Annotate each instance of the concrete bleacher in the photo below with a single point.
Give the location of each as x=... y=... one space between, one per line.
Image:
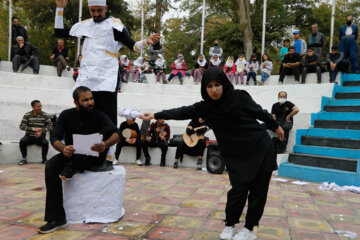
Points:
x=17 y=90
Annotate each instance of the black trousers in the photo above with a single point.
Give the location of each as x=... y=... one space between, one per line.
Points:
x=255 y=192
x=311 y=69
x=290 y=71
x=286 y=126
x=17 y=60
x=29 y=140
x=54 y=209
x=122 y=143
x=197 y=150
x=107 y=103
x=161 y=144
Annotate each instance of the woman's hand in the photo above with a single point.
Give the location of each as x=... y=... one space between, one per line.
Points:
x=147 y=116
x=280 y=132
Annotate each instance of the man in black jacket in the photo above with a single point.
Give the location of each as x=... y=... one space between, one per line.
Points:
x=18 y=30
x=291 y=65
x=26 y=53
x=312 y=63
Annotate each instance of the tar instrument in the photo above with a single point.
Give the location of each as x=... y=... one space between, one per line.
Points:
x=193 y=139
x=128 y=133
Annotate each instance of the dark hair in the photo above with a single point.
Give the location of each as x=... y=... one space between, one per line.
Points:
x=252 y=56
x=334 y=48
x=314 y=24
x=291 y=47
x=311 y=48
x=287 y=40
x=79 y=90
x=282 y=92
x=269 y=58
x=34 y=102
x=14 y=17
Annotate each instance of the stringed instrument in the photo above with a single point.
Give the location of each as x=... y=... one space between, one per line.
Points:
x=128 y=133
x=193 y=139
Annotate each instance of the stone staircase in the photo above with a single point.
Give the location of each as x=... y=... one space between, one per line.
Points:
x=329 y=151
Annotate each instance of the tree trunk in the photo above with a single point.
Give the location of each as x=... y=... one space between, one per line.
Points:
x=159 y=5
x=245 y=27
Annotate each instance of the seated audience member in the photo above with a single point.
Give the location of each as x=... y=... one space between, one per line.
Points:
x=77 y=67
x=59 y=57
x=216 y=50
x=26 y=53
x=200 y=67
x=283 y=112
x=83 y=119
x=265 y=68
x=125 y=68
x=251 y=68
x=18 y=30
x=240 y=69
x=334 y=61
x=140 y=67
x=157 y=136
x=129 y=136
x=36 y=124
x=215 y=61
x=291 y=65
x=198 y=127
x=229 y=68
x=179 y=68
x=283 y=52
x=312 y=63
x=160 y=68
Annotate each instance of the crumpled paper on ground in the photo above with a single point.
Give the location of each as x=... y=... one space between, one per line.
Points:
x=325 y=186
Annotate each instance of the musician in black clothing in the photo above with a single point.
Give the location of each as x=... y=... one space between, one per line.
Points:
x=195 y=126
x=157 y=135
x=132 y=140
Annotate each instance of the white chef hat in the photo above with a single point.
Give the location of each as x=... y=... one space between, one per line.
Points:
x=101 y=3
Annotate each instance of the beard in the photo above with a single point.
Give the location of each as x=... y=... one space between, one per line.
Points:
x=86 y=110
x=98 y=19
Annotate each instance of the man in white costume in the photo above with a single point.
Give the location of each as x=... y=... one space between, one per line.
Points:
x=102 y=39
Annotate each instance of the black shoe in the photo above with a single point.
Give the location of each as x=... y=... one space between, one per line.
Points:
x=247 y=82
x=147 y=161
x=43 y=161
x=319 y=82
x=104 y=167
x=176 y=165
x=68 y=68
x=162 y=163
x=199 y=165
x=68 y=172
x=22 y=162
x=52 y=226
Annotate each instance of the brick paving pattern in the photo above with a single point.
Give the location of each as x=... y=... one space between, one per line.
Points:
x=167 y=203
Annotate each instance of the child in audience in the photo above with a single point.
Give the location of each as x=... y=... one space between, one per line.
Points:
x=159 y=68
x=251 y=68
x=179 y=68
x=125 y=63
x=265 y=68
x=215 y=61
x=200 y=67
x=140 y=67
x=229 y=68
x=240 y=66
x=77 y=67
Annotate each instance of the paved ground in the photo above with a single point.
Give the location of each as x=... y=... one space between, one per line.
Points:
x=164 y=203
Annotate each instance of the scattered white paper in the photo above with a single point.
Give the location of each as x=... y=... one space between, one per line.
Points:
x=280 y=180
x=300 y=183
x=346 y=234
x=83 y=143
x=1 y=171
x=325 y=186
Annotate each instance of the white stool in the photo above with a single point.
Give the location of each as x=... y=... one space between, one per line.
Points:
x=95 y=197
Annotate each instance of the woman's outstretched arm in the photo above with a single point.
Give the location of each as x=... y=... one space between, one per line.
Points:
x=181 y=113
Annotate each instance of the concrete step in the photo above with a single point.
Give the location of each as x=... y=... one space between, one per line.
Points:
x=351 y=83
x=330 y=142
x=328 y=151
x=327 y=133
x=348 y=95
x=329 y=108
x=344 y=164
x=335 y=124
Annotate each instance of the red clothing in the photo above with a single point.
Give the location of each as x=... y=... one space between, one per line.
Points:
x=228 y=69
x=128 y=66
x=182 y=70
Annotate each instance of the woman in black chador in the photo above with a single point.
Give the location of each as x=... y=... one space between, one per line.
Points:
x=244 y=144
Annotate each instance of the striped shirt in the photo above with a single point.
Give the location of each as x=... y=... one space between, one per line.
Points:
x=31 y=121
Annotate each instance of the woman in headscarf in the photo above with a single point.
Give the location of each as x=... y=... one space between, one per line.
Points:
x=215 y=61
x=240 y=69
x=245 y=146
x=125 y=64
x=200 y=67
x=140 y=66
x=179 y=67
x=229 y=68
x=159 y=68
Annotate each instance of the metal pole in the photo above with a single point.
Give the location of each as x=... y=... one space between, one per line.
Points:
x=264 y=29
x=142 y=22
x=10 y=29
x=202 y=28
x=332 y=23
x=80 y=19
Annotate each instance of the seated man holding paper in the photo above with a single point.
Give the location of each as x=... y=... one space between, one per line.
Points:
x=88 y=134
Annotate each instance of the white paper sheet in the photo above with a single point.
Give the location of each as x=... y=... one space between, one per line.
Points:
x=83 y=143
x=300 y=183
x=280 y=180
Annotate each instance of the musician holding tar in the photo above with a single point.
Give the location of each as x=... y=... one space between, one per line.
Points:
x=129 y=136
x=195 y=130
x=157 y=135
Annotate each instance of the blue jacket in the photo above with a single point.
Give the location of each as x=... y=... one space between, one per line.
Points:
x=343 y=29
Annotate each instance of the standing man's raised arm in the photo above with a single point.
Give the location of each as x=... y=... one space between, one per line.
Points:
x=59 y=19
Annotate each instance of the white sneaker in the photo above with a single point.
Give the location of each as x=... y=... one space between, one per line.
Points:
x=138 y=162
x=227 y=233
x=245 y=234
